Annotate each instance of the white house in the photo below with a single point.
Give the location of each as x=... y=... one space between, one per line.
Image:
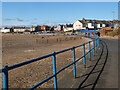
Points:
x=99 y=25
x=55 y=28
x=68 y=27
x=3 y=30
x=59 y=28
x=103 y=25
x=32 y=28
x=90 y=24
x=78 y=25
x=19 y=29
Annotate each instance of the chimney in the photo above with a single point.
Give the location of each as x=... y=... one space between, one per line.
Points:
x=84 y=20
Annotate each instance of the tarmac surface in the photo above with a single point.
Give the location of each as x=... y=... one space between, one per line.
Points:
x=109 y=77
x=101 y=72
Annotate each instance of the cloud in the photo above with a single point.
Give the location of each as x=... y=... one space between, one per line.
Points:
x=20 y=20
x=8 y=19
x=17 y=24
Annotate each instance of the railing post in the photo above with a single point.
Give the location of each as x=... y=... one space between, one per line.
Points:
x=89 y=52
x=98 y=41
x=5 y=78
x=74 y=65
x=84 y=62
x=54 y=71
x=94 y=47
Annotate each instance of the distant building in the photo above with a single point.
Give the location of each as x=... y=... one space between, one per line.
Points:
x=79 y=24
x=27 y=32
x=38 y=28
x=91 y=24
x=99 y=24
x=60 y=27
x=45 y=28
x=19 y=29
x=32 y=28
x=116 y=24
x=5 y=30
x=68 y=27
x=55 y=28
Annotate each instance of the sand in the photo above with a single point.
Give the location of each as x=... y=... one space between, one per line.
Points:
x=19 y=48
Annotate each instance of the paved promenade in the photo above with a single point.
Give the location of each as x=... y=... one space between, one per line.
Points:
x=109 y=77
x=100 y=72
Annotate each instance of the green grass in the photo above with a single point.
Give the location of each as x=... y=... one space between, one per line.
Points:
x=113 y=33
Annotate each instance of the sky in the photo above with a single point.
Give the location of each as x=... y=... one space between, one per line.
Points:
x=54 y=13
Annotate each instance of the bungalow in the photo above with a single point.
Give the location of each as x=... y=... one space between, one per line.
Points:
x=5 y=30
x=68 y=27
x=60 y=27
x=19 y=29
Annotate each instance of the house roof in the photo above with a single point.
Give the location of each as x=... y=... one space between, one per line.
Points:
x=45 y=25
x=18 y=27
x=7 y=28
x=69 y=25
x=84 y=23
x=33 y=26
x=97 y=21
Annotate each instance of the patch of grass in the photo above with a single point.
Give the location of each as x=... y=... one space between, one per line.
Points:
x=113 y=33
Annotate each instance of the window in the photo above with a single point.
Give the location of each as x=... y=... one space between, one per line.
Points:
x=76 y=25
x=100 y=25
x=79 y=25
x=92 y=24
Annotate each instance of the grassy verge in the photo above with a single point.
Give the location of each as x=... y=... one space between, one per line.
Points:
x=113 y=33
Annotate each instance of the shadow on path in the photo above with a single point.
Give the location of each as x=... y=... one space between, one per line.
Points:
x=94 y=66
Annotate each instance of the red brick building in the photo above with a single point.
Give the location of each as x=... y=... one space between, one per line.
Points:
x=45 y=28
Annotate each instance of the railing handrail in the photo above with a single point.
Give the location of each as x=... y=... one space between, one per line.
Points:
x=7 y=68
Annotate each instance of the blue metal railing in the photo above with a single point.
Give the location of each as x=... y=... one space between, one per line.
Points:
x=6 y=68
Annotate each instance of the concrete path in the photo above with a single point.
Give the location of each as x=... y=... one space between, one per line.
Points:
x=109 y=77
x=100 y=72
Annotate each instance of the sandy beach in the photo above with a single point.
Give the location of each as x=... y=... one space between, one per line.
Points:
x=19 y=48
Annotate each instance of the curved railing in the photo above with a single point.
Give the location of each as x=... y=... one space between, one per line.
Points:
x=95 y=41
